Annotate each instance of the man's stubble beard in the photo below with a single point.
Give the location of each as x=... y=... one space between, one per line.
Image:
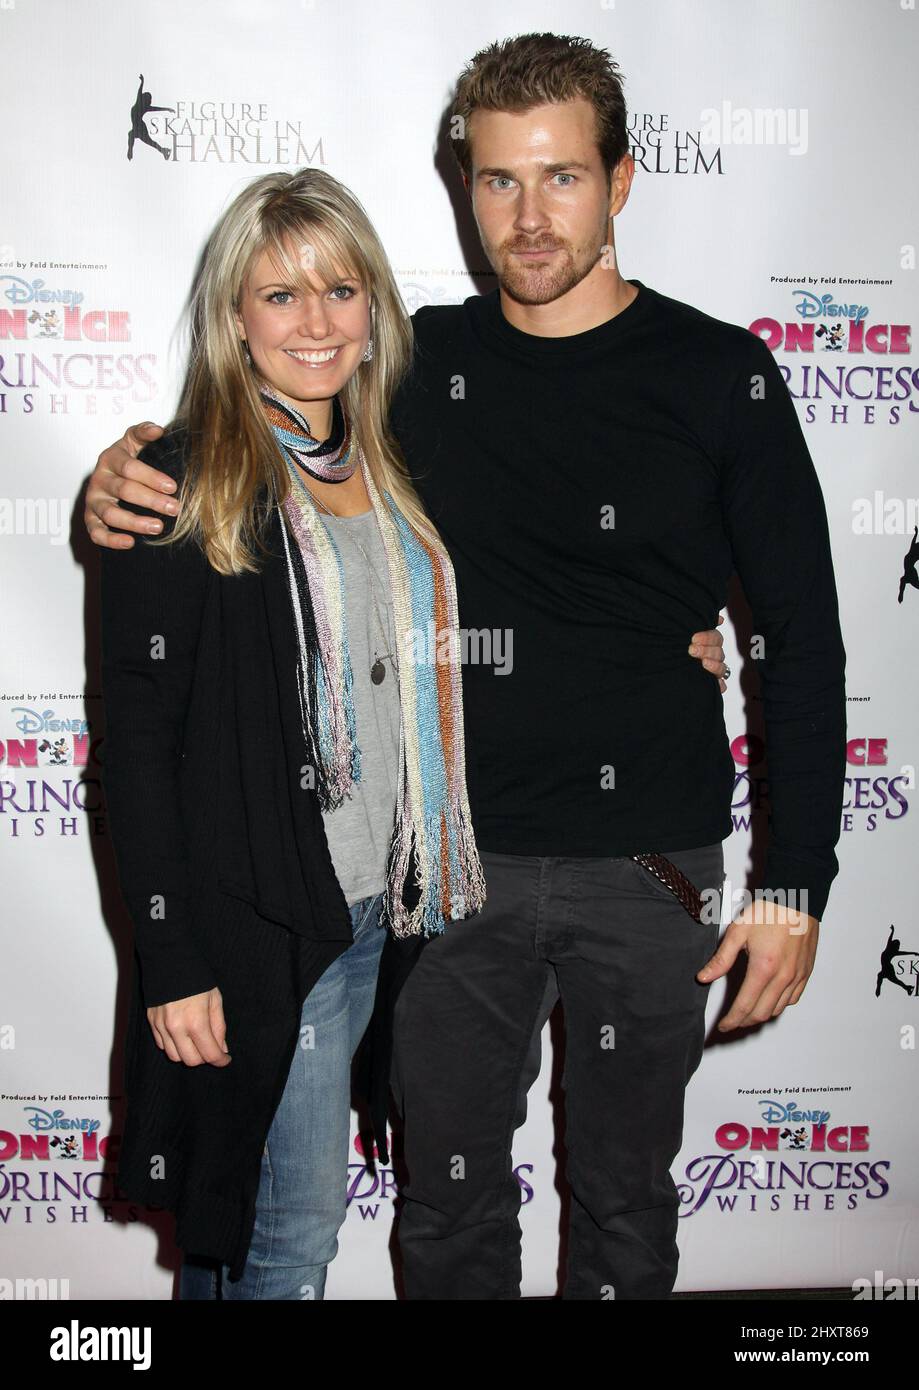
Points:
x=541 y=285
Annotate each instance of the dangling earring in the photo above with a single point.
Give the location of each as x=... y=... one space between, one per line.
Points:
x=368 y=351
x=246 y=352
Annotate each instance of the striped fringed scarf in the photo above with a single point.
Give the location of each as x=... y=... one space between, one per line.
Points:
x=432 y=838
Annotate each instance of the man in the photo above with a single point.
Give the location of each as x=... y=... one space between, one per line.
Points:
x=598 y=459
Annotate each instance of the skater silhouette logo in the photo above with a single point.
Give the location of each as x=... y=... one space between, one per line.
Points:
x=898 y=967
x=909 y=575
x=142 y=108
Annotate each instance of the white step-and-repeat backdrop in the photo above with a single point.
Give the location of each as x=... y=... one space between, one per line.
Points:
x=776 y=187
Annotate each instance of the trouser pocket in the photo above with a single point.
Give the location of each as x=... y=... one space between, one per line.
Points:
x=703 y=867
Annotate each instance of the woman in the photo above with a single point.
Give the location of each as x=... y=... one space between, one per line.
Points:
x=283 y=777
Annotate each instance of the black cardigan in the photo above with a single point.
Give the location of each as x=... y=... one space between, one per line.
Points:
x=224 y=865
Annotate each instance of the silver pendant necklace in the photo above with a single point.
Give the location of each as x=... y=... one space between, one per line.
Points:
x=377 y=669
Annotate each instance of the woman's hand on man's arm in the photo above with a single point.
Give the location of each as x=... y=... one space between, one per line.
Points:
x=708 y=647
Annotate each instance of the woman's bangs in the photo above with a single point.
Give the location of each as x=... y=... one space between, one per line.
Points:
x=304 y=251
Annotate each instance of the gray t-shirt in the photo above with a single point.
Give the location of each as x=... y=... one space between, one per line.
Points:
x=360 y=830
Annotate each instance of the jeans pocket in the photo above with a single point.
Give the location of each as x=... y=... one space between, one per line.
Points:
x=704 y=867
x=366 y=914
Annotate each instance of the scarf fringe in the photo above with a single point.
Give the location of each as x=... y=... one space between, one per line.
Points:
x=465 y=888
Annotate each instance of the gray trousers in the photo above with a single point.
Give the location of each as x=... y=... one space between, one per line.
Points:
x=613 y=943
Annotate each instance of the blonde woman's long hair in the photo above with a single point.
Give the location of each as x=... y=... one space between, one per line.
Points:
x=235 y=473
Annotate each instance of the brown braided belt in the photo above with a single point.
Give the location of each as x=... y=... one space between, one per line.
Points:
x=677 y=882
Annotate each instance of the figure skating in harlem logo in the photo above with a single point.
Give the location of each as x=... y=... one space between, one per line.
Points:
x=898 y=967
x=909 y=575
x=143 y=106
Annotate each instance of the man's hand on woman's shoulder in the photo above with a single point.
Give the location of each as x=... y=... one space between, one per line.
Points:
x=119 y=476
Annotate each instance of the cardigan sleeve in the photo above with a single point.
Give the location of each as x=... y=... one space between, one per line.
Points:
x=776 y=522
x=151 y=603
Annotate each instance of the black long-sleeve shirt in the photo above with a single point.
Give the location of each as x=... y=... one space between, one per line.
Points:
x=595 y=493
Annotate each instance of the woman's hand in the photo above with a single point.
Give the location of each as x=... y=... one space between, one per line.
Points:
x=119 y=477
x=708 y=647
x=192 y=1030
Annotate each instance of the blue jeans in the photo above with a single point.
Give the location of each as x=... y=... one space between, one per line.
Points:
x=301 y=1202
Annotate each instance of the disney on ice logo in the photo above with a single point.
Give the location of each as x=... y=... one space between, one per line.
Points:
x=48 y=741
x=54 y=1134
x=834 y=388
x=57 y=356
x=757 y=1183
x=822 y=321
x=50 y=1182
x=42 y=311
x=65 y=799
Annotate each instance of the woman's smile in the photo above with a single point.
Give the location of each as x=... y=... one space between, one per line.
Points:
x=319 y=357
